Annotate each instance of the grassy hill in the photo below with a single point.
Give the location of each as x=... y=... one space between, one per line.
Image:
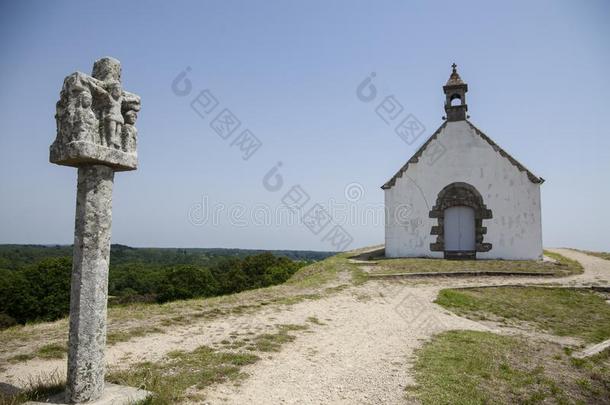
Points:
x=181 y=350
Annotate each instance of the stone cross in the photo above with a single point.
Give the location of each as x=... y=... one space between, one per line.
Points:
x=95 y=133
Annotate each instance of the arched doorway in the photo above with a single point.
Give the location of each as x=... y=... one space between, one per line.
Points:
x=460 y=212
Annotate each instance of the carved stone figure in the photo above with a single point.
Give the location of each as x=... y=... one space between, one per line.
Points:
x=130 y=133
x=85 y=122
x=110 y=97
x=92 y=113
x=75 y=118
x=130 y=108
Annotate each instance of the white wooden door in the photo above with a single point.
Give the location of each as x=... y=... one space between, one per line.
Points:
x=459 y=228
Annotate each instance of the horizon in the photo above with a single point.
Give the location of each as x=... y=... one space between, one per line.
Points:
x=290 y=73
x=50 y=245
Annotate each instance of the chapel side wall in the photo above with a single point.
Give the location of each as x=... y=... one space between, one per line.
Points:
x=515 y=228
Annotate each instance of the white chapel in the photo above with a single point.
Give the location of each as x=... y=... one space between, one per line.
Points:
x=462 y=196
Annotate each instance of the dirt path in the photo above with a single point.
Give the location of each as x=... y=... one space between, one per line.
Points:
x=360 y=353
x=363 y=354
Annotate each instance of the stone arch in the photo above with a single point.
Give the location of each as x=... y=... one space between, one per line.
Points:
x=464 y=194
x=454 y=97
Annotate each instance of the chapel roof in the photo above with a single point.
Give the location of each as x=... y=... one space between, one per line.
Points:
x=417 y=155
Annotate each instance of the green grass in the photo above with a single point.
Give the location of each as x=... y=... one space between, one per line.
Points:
x=468 y=367
x=171 y=378
x=561 y=311
x=117 y=336
x=57 y=350
x=272 y=342
x=315 y=320
x=326 y=271
x=563 y=267
x=48 y=351
x=182 y=375
x=52 y=351
x=18 y=358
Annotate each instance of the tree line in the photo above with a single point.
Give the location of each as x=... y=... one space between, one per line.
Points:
x=17 y=256
x=41 y=291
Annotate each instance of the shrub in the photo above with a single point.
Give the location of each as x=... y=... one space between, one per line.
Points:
x=187 y=281
x=6 y=321
x=49 y=285
x=41 y=291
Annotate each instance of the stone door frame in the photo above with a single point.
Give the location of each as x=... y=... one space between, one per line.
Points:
x=464 y=194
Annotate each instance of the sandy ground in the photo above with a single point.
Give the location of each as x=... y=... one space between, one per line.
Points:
x=364 y=354
x=361 y=353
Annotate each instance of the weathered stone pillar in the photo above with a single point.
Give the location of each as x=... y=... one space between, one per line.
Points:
x=89 y=291
x=96 y=133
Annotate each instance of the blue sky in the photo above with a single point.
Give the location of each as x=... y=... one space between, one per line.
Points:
x=538 y=85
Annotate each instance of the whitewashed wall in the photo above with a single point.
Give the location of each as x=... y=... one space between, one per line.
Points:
x=515 y=230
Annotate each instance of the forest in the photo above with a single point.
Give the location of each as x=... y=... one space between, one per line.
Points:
x=35 y=279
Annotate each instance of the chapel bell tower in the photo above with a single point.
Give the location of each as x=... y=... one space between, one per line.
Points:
x=455 y=97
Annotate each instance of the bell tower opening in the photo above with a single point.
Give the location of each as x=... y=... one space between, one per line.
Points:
x=456 y=100
x=455 y=96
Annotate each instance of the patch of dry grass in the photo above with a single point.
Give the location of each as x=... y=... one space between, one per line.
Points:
x=36 y=390
x=52 y=351
x=315 y=320
x=171 y=379
x=572 y=312
x=601 y=255
x=181 y=376
x=272 y=342
x=468 y=367
x=116 y=336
